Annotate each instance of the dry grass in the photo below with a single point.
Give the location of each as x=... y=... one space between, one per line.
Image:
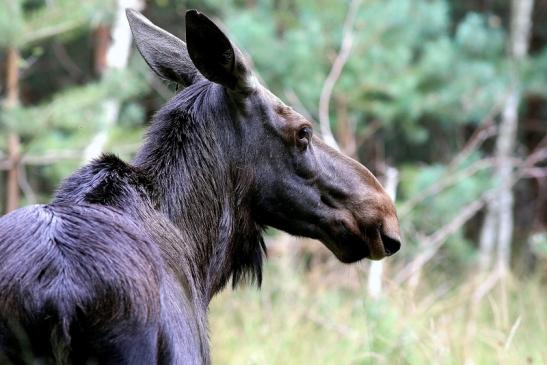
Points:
x=298 y=320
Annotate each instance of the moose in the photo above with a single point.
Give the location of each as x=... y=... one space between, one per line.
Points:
x=120 y=267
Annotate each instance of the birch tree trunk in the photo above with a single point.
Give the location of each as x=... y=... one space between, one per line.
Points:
x=497 y=230
x=377 y=267
x=12 y=99
x=117 y=57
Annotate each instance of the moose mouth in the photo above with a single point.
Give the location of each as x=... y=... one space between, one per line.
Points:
x=374 y=245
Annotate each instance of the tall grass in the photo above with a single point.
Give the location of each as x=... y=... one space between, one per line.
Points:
x=297 y=320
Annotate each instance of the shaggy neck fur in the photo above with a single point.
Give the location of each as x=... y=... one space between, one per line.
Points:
x=189 y=158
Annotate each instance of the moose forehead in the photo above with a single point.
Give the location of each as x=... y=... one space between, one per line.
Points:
x=291 y=120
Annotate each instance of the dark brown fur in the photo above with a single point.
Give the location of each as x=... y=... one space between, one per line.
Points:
x=120 y=267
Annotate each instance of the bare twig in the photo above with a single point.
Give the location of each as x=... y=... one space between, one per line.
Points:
x=25 y=186
x=334 y=74
x=445 y=183
x=35 y=36
x=475 y=141
x=486 y=130
x=486 y=286
x=449 y=180
x=46 y=159
x=49 y=158
x=539 y=154
x=66 y=62
x=536 y=172
x=473 y=144
x=437 y=239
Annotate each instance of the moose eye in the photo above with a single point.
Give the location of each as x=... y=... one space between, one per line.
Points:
x=304 y=135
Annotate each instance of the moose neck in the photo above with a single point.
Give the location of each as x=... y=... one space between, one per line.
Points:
x=187 y=155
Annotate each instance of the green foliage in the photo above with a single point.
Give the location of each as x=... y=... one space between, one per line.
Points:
x=71 y=114
x=285 y=63
x=48 y=19
x=416 y=68
x=538 y=243
x=424 y=70
x=534 y=75
x=11 y=23
x=52 y=20
x=427 y=71
x=439 y=206
x=406 y=67
x=475 y=38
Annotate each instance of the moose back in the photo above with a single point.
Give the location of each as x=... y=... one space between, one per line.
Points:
x=120 y=267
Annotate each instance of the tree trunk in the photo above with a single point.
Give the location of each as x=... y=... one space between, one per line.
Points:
x=12 y=99
x=497 y=229
x=377 y=267
x=12 y=186
x=117 y=57
x=101 y=37
x=345 y=129
x=488 y=236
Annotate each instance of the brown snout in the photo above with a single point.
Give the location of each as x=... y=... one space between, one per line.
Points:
x=379 y=226
x=391 y=244
x=386 y=241
x=364 y=223
x=366 y=239
x=382 y=244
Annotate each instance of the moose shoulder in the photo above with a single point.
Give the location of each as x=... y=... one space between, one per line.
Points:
x=120 y=267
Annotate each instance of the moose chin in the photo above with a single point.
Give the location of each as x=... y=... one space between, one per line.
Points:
x=120 y=267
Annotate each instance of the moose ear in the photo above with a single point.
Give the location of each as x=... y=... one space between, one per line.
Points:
x=166 y=54
x=214 y=55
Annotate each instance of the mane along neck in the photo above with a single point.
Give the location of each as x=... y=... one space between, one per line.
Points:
x=188 y=156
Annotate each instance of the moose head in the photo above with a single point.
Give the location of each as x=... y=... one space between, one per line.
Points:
x=121 y=265
x=295 y=182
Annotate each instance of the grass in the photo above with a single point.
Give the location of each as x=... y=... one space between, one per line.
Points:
x=296 y=319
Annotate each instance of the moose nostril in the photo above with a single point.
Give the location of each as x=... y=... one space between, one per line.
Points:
x=391 y=245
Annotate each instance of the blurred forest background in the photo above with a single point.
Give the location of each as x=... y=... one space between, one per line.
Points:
x=444 y=100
